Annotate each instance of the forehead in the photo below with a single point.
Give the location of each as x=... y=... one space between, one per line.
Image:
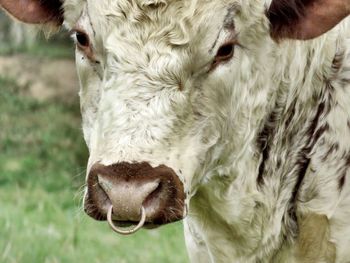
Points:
x=105 y=15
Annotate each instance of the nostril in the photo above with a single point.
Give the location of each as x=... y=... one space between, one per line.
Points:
x=152 y=201
x=94 y=208
x=106 y=185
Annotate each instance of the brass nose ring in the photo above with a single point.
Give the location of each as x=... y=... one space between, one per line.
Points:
x=126 y=231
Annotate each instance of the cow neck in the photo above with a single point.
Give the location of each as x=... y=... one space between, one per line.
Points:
x=266 y=206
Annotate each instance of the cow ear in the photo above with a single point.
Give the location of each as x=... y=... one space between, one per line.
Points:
x=35 y=11
x=305 y=19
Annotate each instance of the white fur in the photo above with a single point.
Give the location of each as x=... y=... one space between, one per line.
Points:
x=152 y=98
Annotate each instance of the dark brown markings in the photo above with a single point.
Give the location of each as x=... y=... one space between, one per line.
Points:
x=344 y=77
x=275 y=119
x=343 y=171
x=314 y=132
x=347 y=160
x=156 y=5
x=338 y=60
x=342 y=181
x=303 y=160
x=267 y=133
x=338 y=69
x=265 y=140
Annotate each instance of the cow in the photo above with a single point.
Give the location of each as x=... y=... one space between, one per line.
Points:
x=233 y=115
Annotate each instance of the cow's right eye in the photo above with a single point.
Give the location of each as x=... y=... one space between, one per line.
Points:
x=84 y=44
x=82 y=39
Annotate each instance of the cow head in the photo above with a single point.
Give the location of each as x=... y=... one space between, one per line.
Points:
x=171 y=90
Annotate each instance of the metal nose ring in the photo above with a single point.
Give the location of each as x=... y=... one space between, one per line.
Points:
x=126 y=231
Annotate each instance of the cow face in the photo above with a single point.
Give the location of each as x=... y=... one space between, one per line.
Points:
x=155 y=85
x=171 y=91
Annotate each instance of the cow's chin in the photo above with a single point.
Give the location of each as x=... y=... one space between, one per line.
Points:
x=128 y=224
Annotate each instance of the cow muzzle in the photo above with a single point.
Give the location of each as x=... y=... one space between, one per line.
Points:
x=134 y=194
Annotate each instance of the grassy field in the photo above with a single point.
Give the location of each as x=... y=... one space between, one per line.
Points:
x=42 y=168
x=58 y=47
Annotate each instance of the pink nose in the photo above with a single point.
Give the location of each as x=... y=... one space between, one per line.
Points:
x=128 y=187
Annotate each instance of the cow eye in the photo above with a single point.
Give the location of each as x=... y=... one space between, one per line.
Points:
x=82 y=39
x=225 y=52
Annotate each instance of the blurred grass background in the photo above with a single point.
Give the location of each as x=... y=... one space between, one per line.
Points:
x=42 y=165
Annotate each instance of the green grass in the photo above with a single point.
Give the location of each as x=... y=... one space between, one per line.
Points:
x=55 y=47
x=41 y=49
x=42 y=161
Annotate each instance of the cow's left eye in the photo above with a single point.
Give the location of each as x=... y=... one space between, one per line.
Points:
x=224 y=53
